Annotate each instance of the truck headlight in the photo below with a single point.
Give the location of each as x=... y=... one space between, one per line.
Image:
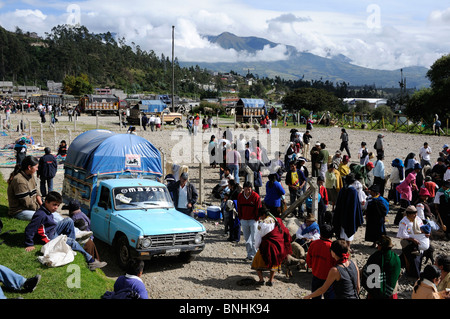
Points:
x=198 y=238
x=146 y=242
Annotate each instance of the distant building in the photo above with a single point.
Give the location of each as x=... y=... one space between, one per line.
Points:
x=55 y=87
x=372 y=102
x=6 y=87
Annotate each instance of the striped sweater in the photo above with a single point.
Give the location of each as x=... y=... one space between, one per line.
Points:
x=22 y=192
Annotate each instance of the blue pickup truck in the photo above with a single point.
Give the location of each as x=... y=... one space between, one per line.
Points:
x=116 y=177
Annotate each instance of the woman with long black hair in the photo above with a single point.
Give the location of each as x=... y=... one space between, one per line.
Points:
x=344 y=276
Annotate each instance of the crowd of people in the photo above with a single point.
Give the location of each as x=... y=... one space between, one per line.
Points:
x=350 y=194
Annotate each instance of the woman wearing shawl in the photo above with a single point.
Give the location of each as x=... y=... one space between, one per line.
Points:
x=344 y=276
x=273 y=241
x=405 y=189
x=333 y=183
x=348 y=214
x=388 y=264
x=397 y=176
x=376 y=211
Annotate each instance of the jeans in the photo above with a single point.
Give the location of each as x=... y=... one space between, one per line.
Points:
x=249 y=230
x=46 y=186
x=28 y=215
x=234 y=169
x=10 y=280
x=66 y=227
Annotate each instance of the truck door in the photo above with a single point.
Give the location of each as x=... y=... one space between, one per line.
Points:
x=101 y=215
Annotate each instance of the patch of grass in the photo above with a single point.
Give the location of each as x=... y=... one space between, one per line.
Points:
x=72 y=281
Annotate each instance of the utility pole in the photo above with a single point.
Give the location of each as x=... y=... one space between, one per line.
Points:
x=173 y=69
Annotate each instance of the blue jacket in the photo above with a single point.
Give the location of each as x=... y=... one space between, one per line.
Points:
x=41 y=228
x=132 y=282
x=273 y=194
x=47 y=167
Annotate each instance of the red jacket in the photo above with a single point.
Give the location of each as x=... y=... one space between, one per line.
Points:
x=319 y=258
x=323 y=192
x=248 y=207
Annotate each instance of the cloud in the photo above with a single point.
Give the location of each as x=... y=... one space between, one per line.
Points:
x=30 y=14
x=440 y=17
x=399 y=39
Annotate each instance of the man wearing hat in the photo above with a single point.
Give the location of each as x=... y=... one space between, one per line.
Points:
x=307 y=232
x=386 y=262
x=376 y=212
x=184 y=195
x=409 y=228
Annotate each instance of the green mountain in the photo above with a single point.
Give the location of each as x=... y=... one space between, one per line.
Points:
x=303 y=65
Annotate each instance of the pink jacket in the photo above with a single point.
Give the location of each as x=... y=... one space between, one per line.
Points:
x=405 y=188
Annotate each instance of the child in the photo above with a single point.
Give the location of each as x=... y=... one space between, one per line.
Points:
x=62 y=150
x=363 y=154
x=132 y=279
x=234 y=224
x=43 y=228
x=21 y=151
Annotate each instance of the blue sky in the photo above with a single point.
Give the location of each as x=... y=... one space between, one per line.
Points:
x=378 y=33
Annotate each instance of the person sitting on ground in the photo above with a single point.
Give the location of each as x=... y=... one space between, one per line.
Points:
x=408 y=228
x=426 y=286
x=24 y=197
x=62 y=149
x=443 y=263
x=15 y=282
x=307 y=232
x=132 y=279
x=82 y=225
x=43 y=228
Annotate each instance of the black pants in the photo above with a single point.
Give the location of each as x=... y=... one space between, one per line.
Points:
x=403 y=205
x=380 y=182
x=344 y=145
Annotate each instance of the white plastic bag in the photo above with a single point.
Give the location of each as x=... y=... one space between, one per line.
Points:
x=56 y=252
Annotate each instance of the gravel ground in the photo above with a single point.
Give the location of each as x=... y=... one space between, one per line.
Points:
x=220 y=271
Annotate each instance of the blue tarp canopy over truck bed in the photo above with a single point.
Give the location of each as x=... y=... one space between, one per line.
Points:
x=254 y=103
x=105 y=152
x=152 y=106
x=98 y=153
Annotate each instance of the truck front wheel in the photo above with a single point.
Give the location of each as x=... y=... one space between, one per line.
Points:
x=123 y=251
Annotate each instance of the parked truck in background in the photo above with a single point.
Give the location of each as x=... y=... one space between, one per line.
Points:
x=102 y=104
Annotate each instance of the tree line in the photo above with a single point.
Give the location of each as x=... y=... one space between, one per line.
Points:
x=82 y=59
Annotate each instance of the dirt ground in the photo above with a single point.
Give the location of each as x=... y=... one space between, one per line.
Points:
x=220 y=271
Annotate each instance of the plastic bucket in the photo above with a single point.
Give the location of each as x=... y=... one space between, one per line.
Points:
x=213 y=212
x=201 y=213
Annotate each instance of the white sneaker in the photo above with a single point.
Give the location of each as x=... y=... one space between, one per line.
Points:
x=83 y=235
